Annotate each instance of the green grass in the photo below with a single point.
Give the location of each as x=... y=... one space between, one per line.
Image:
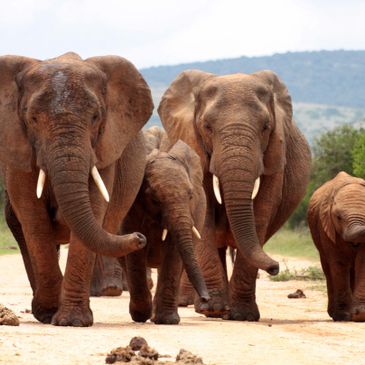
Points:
x=311 y=273
x=293 y=243
x=7 y=241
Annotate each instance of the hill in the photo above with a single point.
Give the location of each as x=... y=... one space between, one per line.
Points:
x=323 y=77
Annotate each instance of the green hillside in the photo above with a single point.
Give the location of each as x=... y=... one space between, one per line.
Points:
x=323 y=77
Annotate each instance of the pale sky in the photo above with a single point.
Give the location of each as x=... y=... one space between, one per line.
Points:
x=160 y=32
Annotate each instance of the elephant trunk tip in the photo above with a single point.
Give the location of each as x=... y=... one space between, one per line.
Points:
x=273 y=269
x=205 y=297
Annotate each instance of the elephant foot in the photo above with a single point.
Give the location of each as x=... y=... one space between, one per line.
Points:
x=166 y=318
x=358 y=313
x=340 y=315
x=140 y=312
x=112 y=291
x=243 y=312
x=216 y=307
x=42 y=313
x=73 y=316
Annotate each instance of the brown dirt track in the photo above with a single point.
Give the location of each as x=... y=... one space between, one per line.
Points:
x=291 y=331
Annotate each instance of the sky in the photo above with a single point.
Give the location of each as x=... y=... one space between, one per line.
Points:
x=161 y=32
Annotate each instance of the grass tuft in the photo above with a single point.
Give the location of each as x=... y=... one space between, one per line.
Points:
x=7 y=241
x=312 y=273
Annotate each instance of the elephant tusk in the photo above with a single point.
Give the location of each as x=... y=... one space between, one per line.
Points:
x=256 y=188
x=216 y=189
x=164 y=234
x=40 y=183
x=99 y=183
x=196 y=233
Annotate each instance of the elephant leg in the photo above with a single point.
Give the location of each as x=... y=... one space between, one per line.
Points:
x=213 y=272
x=107 y=278
x=140 y=305
x=74 y=308
x=165 y=302
x=358 y=301
x=243 y=305
x=330 y=291
x=186 y=291
x=340 y=297
x=16 y=229
x=39 y=244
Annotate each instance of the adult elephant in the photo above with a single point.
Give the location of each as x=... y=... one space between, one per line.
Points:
x=69 y=128
x=256 y=159
x=337 y=223
x=169 y=210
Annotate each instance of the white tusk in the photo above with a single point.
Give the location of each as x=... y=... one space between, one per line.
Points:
x=40 y=183
x=196 y=233
x=164 y=234
x=99 y=183
x=256 y=188
x=216 y=189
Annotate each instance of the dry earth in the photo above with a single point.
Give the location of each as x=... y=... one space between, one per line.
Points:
x=291 y=331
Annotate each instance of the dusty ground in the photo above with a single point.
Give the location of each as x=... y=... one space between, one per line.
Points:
x=291 y=331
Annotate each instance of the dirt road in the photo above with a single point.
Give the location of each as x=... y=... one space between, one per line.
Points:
x=291 y=331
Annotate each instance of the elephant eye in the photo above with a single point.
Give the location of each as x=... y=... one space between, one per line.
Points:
x=338 y=216
x=266 y=126
x=207 y=127
x=95 y=117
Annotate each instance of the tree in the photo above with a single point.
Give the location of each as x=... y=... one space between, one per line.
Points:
x=333 y=151
x=358 y=156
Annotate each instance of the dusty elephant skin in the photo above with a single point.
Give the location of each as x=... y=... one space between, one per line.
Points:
x=169 y=210
x=242 y=128
x=69 y=129
x=336 y=217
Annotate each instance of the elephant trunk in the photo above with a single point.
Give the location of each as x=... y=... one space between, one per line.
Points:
x=237 y=176
x=69 y=171
x=355 y=233
x=184 y=240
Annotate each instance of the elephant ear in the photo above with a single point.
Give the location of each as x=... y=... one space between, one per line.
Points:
x=129 y=106
x=191 y=161
x=15 y=149
x=177 y=109
x=282 y=111
x=156 y=138
x=325 y=196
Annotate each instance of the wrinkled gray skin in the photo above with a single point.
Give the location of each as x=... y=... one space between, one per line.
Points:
x=171 y=197
x=242 y=128
x=336 y=218
x=65 y=116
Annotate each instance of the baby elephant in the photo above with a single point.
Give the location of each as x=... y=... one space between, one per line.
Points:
x=336 y=217
x=170 y=210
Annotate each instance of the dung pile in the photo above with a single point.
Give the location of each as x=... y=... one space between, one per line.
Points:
x=139 y=353
x=7 y=317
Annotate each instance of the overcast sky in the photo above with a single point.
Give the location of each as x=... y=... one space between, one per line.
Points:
x=156 y=32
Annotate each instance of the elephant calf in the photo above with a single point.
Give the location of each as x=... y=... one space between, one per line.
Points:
x=169 y=210
x=336 y=217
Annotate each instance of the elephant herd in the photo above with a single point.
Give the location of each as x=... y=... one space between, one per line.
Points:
x=228 y=170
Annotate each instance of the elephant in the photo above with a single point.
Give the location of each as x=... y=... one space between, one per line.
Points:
x=73 y=159
x=169 y=210
x=336 y=218
x=256 y=165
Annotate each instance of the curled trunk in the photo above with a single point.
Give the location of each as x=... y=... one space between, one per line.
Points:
x=69 y=171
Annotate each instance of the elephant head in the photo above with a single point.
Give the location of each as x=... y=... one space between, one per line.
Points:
x=236 y=123
x=173 y=192
x=341 y=208
x=69 y=117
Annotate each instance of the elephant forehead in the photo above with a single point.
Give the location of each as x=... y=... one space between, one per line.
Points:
x=351 y=194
